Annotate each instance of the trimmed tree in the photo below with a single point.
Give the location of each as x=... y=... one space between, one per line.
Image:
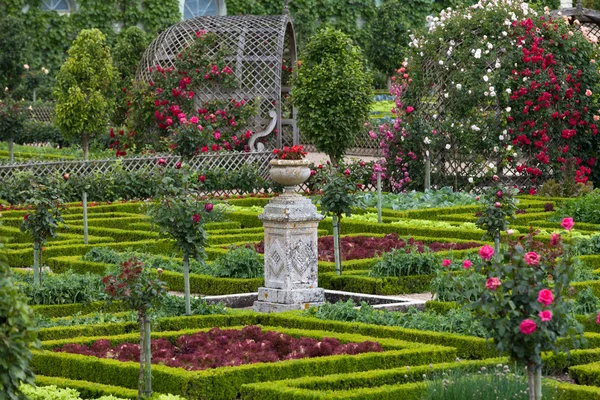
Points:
x=84 y=85
x=332 y=92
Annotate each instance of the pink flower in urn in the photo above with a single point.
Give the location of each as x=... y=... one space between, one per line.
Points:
x=532 y=258
x=545 y=315
x=545 y=297
x=567 y=223
x=208 y=207
x=493 y=283
x=446 y=262
x=467 y=264
x=486 y=252
x=527 y=327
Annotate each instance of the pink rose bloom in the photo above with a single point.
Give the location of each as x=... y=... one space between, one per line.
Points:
x=196 y=218
x=446 y=262
x=545 y=315
x=208 y=207
x=497 y=205
x=598 y=319
x=410 y=109
x=217 y=135
x=495 y=178
x=588 y=93
x=555 y=239
x=527 y=327
x=545 y=297
x=477 y=198
x=499 y=193
x=532 y=258
x=162 y=162
x=178 y=165
x=194 y=120
x=467 y=264
x=486 y=252
x=347 y=171
x=567 y=223
x=493 y=283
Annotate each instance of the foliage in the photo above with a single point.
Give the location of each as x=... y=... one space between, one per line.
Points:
x=443 y=197
x=13 y=41
x=52 y=392
x=18 y=334
x=525 y=311
x=498 y=206
x=84 y=86
x=360 y=174
x=586 y=302
x=238 y=262
x=12 y=118
x=337 y=196
x=332 y=92
x=405 y=261
x=498 y=383
x=457 y=288
x=389 y=32
x=585 y=208
x=40 y=132
x=127 y=52
x=66 y=288
x=47 y=204
x=567 y=186
x=217 y=348
x=454 y=321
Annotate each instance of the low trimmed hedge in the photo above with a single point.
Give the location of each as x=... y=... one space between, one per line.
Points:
x=88 y=390
x=209 y=285
x=379 y=286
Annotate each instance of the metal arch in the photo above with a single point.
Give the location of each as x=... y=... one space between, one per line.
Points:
x=259 y=46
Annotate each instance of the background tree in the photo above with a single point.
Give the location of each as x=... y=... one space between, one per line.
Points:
x=13 y=42
x=84 y=85
x=18 y=333
x=127 y=52
x=332 y=92
x=389 y=33
x=12 y=120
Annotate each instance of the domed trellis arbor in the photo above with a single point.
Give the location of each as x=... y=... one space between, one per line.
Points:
x=259 y=46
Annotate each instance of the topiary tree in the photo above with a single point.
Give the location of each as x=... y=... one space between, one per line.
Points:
x=18 y=333
x=127 y=52
x=14 y=51
x=84 y=87
x=332 y=92
x=389 y=32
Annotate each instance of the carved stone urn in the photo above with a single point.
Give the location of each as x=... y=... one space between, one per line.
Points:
x=290 y=173
x=291 y=253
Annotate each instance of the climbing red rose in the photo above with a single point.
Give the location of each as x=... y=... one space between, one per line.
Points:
x=527 y=327
x=545 y=297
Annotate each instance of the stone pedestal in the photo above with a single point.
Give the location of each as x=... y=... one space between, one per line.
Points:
x=291 y=255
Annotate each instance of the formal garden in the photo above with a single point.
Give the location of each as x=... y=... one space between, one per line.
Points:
x=277 y=204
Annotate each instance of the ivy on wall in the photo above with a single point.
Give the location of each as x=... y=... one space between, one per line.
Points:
x=51 y=34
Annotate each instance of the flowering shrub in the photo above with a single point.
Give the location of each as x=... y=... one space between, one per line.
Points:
x=290 y=153
x=522 y=299
x=517 y=89
x=219 y=348
x=498 y=206
x=190 y=125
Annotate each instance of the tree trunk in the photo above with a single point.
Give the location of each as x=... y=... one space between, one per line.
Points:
x=497 y=246
x=41 y=261
x=36 y=263
x=186 y=284
x=147 y=358
x=379 y=198
x=427 y=171
x=85 y=145
x=531 y=381
x=142 y=357
x=538 y=383
x=85 y=217
x=336 y=245
x=34 y=94
x=534 y=379
x=11 y=150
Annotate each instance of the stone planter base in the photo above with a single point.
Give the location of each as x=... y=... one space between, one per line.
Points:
x=275 y=300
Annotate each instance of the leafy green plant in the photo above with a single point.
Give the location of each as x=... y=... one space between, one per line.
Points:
x=586 y=302
x=585 y=208
x=42 y=223
x=14 y=52
x=452 y=286
x=12 y=121
x=83 y=88
x=454 y=321
x=66 y=288
x=140 y=291
x=404 y=262
x=332 y=92
x=238 y=262
x=498 y=206
x=18 y=335
x=430 y=198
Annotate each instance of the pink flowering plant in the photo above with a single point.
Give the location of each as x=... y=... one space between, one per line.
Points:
x=498 y=206
x=522 y=299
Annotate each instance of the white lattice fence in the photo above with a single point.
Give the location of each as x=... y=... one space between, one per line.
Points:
x=228 y=161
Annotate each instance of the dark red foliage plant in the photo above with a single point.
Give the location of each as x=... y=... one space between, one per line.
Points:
x=220 y=348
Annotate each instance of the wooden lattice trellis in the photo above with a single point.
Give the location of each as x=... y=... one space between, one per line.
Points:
x=41 y=114
x=259 y=45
